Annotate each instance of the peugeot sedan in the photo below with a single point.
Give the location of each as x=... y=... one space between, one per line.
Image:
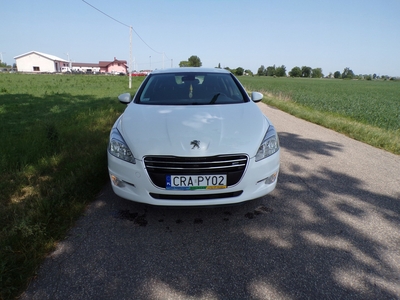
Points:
x=192 y=137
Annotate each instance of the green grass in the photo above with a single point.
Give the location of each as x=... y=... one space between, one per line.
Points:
x=54 y=134
x=368 y=111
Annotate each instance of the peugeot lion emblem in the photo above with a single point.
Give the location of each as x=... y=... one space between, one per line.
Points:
x=195 y=144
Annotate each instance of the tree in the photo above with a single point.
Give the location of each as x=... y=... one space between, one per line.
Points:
x=239 y=71
x=248 y=72
x=271 y=71
x=305 y=71
x=347 y=74
x=184 y=63
x=261 y=71
x=193 y=61
x=4 y=65
x=281 y=71
x=295 y=72
x=337 y=74
x=317 y=73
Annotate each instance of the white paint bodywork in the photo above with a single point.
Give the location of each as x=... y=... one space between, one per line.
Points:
x=169 y=130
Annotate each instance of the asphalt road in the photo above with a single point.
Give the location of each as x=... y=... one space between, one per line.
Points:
x=331 y=230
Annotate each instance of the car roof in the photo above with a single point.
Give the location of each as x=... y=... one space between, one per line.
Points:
x=190 y=70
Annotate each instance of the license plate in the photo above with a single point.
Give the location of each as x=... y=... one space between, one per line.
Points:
x=195 y=182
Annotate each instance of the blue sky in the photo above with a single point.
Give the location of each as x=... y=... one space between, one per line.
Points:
x=328 y=34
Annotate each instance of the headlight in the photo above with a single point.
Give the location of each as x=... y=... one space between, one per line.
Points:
x=119 y=148
x=269 y=145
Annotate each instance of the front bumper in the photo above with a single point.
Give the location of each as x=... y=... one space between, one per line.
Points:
x=131 y=181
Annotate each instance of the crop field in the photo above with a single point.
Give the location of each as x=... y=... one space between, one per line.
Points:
x=365 y=110
x=54 y=135
x=375 y=103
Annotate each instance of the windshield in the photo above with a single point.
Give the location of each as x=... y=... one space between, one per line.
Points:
x=190 y=89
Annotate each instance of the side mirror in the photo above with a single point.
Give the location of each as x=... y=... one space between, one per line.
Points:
x=256 y=96
x=125 y=98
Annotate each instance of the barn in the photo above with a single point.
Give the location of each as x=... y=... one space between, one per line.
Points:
x=38 y=62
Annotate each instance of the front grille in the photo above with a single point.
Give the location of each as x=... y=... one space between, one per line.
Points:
x=159 y=166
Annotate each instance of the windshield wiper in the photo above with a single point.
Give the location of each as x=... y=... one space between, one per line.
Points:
x=214 y=98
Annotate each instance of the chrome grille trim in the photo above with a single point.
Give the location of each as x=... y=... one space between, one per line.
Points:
x=197 y=168
x=234 y=165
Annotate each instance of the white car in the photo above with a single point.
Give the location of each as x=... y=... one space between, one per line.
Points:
x=192 y=137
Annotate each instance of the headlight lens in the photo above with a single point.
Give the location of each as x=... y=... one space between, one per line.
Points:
x=269 y=145
x=118 y=148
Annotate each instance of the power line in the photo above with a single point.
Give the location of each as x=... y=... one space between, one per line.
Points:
x=106 y=14
x=123 y=25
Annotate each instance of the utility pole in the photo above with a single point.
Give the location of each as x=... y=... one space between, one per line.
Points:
x=130 y=57
x=69 y=62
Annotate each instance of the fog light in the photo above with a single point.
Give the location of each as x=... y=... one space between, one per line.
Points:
x=116 y=181
x=269 y=179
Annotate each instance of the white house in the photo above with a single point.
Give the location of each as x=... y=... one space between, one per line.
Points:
x=38 y=62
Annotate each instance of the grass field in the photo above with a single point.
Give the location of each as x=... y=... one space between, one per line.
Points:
x=368 y=111
x=54 y=134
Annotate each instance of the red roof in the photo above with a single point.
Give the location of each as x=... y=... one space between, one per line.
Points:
x=104 y=64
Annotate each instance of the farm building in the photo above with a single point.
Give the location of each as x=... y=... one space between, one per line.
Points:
x=114 y=67
x=39 y=62
x=85 y=67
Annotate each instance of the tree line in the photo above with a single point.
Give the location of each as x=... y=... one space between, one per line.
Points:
x=307 y=72
x=304 y=71
x=280 y=71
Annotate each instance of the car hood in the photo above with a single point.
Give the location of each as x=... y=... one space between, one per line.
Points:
x=172 y=130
